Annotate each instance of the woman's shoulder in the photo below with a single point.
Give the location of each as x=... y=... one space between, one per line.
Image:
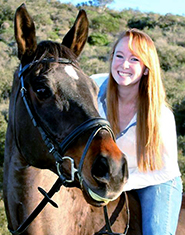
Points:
x=101 y=80
x=166 y=112
x=167 y=118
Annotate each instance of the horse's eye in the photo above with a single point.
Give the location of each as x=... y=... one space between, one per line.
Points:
x=43 y=93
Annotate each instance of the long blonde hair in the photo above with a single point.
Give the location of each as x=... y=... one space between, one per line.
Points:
x=151 y=97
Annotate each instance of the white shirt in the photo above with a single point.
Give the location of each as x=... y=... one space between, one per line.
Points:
x=126 y=142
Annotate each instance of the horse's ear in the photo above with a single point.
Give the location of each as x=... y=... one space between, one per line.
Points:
x=24 y=33
x=76 y=38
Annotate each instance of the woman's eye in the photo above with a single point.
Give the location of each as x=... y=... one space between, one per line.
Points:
x=119 y=56
x=135 y=59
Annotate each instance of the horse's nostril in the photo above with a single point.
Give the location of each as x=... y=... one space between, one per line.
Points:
x=100 y=170
x=125 y=169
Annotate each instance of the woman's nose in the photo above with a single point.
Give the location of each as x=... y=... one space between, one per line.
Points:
x=125 y=64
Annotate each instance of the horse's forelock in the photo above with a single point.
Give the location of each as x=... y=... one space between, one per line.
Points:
x=49 y=49
x=53 y=49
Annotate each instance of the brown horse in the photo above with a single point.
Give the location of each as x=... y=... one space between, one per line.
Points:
x=55 y=136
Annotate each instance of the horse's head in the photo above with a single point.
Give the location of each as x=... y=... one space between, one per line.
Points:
x=59 y=99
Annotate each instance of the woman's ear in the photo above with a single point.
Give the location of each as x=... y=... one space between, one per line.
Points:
x=146 y=71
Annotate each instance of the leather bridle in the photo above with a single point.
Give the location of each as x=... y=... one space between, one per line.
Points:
x=94 y=125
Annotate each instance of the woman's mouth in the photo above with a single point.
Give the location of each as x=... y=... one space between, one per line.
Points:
x=124 y=74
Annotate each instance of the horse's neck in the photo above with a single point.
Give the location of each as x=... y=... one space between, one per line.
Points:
x=73 y=209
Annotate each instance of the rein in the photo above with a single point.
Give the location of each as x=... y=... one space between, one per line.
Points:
x=94 y=124
x=109 y=222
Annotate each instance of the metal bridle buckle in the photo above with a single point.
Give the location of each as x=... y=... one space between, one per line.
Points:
x=73 y=169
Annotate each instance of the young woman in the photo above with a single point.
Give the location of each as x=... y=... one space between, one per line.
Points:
x=133 y=100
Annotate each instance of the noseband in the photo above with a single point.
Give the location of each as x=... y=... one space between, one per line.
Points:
x=94 y=125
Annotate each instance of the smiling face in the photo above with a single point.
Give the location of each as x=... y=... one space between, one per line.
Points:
x=127 y=68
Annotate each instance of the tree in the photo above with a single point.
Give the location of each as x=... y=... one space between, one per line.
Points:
x=100 y=3
x=96 y=3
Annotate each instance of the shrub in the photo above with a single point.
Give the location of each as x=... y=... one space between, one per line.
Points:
x=181 y=157
x=3 y=125
x=105 y=23
x=171 y=56
x=51 y=35
x=94 y=65
x=169 y=21
x=98 y=39
x=141 y=22
x=6 y=13
x=174 y=81
x=179 y=111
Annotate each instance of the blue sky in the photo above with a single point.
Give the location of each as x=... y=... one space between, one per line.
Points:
x=176 y=7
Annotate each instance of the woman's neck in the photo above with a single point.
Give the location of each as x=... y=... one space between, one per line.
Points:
x=128 y=94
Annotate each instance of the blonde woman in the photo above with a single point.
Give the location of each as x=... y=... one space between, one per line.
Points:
x=132 y=98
